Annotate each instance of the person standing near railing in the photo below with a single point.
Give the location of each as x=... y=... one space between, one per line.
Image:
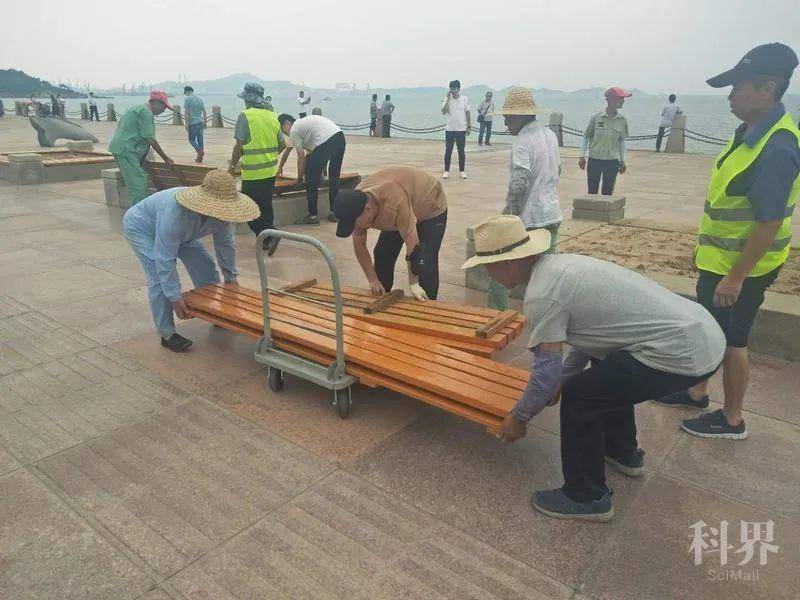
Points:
x=387 y=108
x=93 y=114
x=667 y=116
x=195 y=117
x=456 y=109
x=485 y=110
x=373 y=114
x=303 y=102
x=604 y=140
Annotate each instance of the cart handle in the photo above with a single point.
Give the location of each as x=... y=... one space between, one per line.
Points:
x=337 y=290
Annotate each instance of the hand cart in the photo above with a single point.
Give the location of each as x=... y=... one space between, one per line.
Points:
x=278 y=361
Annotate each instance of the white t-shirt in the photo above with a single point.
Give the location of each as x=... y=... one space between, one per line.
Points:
x=536 y=149
x=311 y=131
x=668 y=114
x=457 y=116
x=304 y=103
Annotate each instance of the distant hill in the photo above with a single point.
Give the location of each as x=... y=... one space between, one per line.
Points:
x=230 y=84
x=18 y=84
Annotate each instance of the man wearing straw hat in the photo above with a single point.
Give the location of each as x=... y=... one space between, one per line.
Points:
x=643 y=341
x=169 y=225
x=533 y=181
x=135 y=135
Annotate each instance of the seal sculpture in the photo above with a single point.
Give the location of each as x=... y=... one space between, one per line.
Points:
x=50 y=129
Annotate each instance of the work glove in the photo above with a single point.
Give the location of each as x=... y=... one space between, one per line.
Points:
x=418 y=292
x=416 y=260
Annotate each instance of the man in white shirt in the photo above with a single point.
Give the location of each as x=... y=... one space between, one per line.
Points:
x=533 y=178
x=303 y=102
x=319 y=142
x=667 y=116
x=456 y=109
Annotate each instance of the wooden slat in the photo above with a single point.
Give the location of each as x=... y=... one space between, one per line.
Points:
x=383 y=302
x=495 y=324
x=298 y=285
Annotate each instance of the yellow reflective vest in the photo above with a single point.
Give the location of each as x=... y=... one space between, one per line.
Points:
x=260 y=154
x=729 y=221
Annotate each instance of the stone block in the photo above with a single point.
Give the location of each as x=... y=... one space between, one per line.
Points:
x=80 y=146
x=25 y=168
x=600 y=203
x=114 y=186
x=597 y=215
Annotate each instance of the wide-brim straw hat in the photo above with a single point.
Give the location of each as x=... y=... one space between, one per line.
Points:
x=218 y=197
x=504 y=238
x=519 y=101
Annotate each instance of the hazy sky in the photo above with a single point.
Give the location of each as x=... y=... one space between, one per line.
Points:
x=658 y=46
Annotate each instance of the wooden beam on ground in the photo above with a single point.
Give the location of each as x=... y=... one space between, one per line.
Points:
x=298 y=285
x=496 y=324
x=384 y=302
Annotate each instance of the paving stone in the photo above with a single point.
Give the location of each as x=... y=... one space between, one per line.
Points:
x=10 y=307
x=344 y=538
x=50 y=552
x=7 y=462
x=173 y=487
x=597 y=215
x=600 y=203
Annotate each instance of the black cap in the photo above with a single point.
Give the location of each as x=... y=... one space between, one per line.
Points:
x=348 y=207
x=769 y=60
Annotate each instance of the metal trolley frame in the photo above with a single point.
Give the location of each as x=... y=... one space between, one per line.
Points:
x=279 y=362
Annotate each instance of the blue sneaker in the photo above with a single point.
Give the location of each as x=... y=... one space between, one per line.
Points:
x=631 y=464
x=714 y=425
x=556 y=504
x=682 y=398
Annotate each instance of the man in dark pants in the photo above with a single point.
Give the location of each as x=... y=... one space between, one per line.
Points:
x=643 y=339
x=604 y=139
x=456 y=109
x=373 y=114
x=259 y=141
x=409 y=207
x=93 y=114
x=746 y=231
x=387 y=108
x=667 y=116
x=319 y=143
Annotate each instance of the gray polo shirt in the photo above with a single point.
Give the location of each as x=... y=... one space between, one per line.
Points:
x=599 y=308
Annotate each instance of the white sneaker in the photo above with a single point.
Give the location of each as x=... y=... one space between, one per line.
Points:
x=463 y=175
x=446 y=175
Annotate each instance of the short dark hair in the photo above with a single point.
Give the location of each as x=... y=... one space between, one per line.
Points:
x=455 y=84
x=374 y=96
x=388 y=97
x=672 y=97
x=781 y=85
x=285 y=118
x=188 y=88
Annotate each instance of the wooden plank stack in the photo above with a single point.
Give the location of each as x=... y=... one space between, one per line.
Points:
x=414 y=364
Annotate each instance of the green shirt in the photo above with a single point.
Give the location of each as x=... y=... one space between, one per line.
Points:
x=606 y=136
x=134 y=131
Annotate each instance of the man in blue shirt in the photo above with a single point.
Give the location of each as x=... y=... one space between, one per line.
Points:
x=195 y=111
x=751 y=199
x=169 y=225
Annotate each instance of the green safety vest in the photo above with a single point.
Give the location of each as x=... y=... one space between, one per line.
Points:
x=260 y=154
x=729 y=220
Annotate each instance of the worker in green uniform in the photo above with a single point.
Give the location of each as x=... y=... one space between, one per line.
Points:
x=135 y=135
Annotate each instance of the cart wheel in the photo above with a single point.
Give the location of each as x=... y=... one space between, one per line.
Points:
x=342 y=399
x=275 y=379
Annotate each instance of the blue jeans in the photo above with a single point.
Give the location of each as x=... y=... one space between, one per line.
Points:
x=196 y=136
x=485 y=130
x=195 y=258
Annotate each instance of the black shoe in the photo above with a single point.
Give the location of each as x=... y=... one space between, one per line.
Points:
x=270 y=245
x=631 y=464
x=715 y=425
x=332 y=217
x=309 y=219
x=556 y=504
x=176 y=343
x=682 y=399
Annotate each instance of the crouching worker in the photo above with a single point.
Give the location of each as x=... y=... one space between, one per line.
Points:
x=641 y=339
x=409 y=207
x=169 y=225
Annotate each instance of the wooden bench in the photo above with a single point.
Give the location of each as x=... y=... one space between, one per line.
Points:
x=419 y=366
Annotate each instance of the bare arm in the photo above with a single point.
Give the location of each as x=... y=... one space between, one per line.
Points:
x=301 y=164
x=446 y=105
x=157 y=147
x=365 y=260
x=412 y=241
x=469 y=122
x=236 y=155
x=284 y=157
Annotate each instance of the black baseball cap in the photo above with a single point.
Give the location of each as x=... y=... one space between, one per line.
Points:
x=769 y=60
x=348 y=207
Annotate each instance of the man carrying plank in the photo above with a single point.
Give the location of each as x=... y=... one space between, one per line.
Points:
x=169 y=225
x=643 y=342
x=409 y=207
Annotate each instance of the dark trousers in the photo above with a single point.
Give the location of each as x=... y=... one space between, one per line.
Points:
x=660 y=137
x=302 y=114
x=605 y=169
x=93 y=113
x=459 y=138
x=387 y=125
x=331 y=154
x=486 y=129
x=430 y=232
x=260 y=191
x=372 y=122
x=597 y=417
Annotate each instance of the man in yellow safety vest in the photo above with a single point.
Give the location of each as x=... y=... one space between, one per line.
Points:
x=745 y=233
x=259 y=141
